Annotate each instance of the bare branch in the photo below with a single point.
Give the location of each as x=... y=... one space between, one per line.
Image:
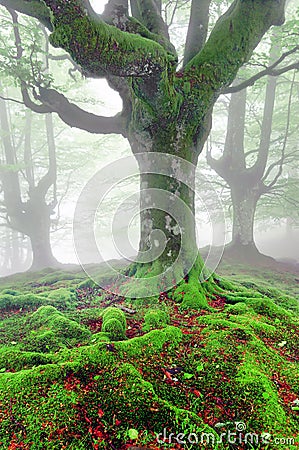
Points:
x=71 y=114
x=268 y=71
x=11 y=100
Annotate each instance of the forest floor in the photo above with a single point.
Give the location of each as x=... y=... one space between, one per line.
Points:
x=82 y=369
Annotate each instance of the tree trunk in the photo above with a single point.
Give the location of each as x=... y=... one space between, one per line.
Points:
x=167 y=215
x=39 y=234
x=168 y=252
x=244 y=207
x=242 y=247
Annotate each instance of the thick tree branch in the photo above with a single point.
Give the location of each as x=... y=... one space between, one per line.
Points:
x=265 y=140
x=52 y=101
x=71 y=114
x=232 y=41
x=197 y=29
x=268 y=71
x=283 y=155
x=98 y=48
x=148 y=12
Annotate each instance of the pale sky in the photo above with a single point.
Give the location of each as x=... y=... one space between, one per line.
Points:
x=98 y=5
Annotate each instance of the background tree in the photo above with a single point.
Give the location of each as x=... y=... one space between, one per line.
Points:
x=247 y=166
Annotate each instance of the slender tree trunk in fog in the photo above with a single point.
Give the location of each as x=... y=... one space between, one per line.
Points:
x=246 y=183
x=30 y=217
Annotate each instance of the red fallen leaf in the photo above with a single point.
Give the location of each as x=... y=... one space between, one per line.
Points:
x=101 y=412
x=97 y=432
x=167 y=374
x=117 y=422
x=196 y=392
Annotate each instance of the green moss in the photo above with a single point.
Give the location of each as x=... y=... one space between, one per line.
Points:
x=238 y=308
x=51 y=330
x=43 y=342
x=85 y=316
x=216 y=323
x=258 y=326
x=10 y=292
x=100 y=337
x=230 y=366
x=151 y=343
x=115 y=313
x=191 y=295
x=155 y=319
x=252 y=384
x=23 y=301
x=42 y=316
x=114 y=328
x=69 y=329
x=62 y=298
x=15 y=360
x=268 y=308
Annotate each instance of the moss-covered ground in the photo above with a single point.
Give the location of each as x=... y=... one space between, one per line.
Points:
x=84 y=369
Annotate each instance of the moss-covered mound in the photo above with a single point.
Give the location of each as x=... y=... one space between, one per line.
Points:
x=77 y=374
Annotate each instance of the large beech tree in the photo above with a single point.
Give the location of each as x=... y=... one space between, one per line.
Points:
x=166 y=108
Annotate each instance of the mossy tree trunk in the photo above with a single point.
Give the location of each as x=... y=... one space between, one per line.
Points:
x=167 y=212
x=166 y=109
